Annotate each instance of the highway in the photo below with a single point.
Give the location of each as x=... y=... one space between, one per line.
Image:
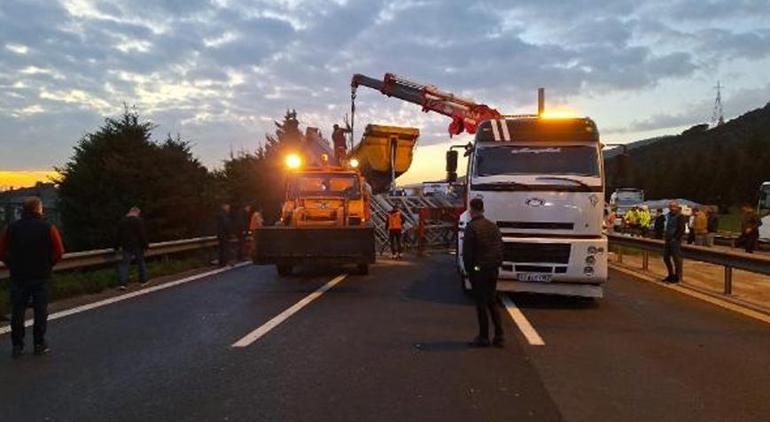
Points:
x=390 y=346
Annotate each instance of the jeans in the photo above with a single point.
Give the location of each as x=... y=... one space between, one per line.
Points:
x=484 y=285
x=21 y=292
x=701 y=239
x=137 y=256
x=224 y=251
x=710 y=239
x=672 y=250
x=395 y=241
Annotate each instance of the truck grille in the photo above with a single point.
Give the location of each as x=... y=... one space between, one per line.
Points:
x=534 y=225
x=554 y=253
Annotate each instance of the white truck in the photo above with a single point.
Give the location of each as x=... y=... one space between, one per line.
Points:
x=624 y=199
x=763 y=208
x=542 y=182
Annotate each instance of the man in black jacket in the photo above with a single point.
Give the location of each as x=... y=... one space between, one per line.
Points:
x=672 y=237
x=482 y=257
x=131 y=240
x=30 y=247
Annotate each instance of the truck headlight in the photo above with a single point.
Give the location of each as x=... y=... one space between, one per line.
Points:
x=588 y=271
x=590 y=260
x=592 y=250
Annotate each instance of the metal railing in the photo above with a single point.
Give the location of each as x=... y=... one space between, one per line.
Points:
x=85 y=259
x=727 y=259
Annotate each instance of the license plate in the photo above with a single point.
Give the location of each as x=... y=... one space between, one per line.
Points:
x=541 y=278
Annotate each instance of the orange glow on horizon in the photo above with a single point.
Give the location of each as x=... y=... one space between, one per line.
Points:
x=24 y=178
x=559 y=113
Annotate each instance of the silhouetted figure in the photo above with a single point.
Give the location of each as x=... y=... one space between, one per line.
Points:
x=672 y=236
x=29 y=248
x=749 y=229
x=482 y=257
x=131 y=240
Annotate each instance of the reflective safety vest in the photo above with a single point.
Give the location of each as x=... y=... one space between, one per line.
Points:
x=394 y=221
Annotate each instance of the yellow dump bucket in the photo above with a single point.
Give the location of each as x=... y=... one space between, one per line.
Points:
x=384 y=152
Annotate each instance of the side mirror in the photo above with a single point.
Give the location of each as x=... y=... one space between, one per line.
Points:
x=451 y=165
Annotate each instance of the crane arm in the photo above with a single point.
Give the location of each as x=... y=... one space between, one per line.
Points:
x=466 y=114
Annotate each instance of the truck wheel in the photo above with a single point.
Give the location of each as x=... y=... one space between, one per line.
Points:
x=363 y=269
x=283 y=270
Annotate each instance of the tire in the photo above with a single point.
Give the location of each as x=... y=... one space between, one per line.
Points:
x=283 y=270
x=363 y=269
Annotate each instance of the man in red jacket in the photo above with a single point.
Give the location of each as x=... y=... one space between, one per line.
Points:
x=29 y=248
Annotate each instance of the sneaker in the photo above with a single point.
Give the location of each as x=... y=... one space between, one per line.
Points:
x=17 y=351
x=41 y=349
x=144 y=284
x=122 y=287
x=479 y=342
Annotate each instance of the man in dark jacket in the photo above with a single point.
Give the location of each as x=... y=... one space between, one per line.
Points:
x=131 y=240
x=224 y=232
x=659 y=225
x=482 y=257
x=30 y=247
x=749 y=229
x=672 y=236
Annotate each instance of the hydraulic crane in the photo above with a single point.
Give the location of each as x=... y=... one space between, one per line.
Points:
x=466 y=114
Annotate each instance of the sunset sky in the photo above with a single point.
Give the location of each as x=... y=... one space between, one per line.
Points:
x=219 y=72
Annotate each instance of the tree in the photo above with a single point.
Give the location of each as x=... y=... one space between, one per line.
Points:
x=119 y=166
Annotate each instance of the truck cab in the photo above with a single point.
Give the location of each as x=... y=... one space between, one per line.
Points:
x=542 y=182
x=325 y=197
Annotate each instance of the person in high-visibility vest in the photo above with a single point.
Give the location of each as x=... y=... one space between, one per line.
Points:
x=395 y=226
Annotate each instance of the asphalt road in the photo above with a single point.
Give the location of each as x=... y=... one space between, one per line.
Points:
x=390 y=346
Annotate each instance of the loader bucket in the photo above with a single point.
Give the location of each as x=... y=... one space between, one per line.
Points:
x=385 y=151
x=317 y=245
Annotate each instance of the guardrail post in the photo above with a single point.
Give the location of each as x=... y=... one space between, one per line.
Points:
x=645 y=260
x=728 y=280
x=620 y=255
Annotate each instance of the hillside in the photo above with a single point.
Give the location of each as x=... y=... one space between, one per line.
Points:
x=724 y=165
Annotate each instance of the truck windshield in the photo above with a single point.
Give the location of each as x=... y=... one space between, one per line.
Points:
x=325 y=184
x=577 y=160
x=632 y=197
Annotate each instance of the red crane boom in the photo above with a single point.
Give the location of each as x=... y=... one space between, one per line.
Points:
x=466 y=114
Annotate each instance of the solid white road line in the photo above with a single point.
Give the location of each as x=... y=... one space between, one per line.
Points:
x=695 y=294
x=521 y=321
x=283 y=316
x=105 y=302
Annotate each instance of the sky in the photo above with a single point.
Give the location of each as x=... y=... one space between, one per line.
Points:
x=219 y=72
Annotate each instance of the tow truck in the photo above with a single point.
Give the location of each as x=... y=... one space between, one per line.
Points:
x=542 y=181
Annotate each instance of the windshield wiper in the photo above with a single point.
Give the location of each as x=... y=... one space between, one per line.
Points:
x=568 y=179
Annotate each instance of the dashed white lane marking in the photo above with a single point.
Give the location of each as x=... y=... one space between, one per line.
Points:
x=286 y=314
x=110 y=301
x=521 y=321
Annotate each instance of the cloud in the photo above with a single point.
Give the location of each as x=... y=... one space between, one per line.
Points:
x=219 y=71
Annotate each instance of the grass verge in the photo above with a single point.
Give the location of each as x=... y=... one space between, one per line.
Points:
x=76 y=283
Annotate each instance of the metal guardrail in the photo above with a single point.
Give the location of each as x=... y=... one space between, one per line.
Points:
x=97 y=257
x=729 y=260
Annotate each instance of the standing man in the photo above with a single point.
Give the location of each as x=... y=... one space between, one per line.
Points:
x=224 y=231
x=340 y=143
x=482 y=257
x=712 y=226
x=659 y=224
x=749 y=229
x=700 y=227
x=30 y=247
x=672 y=236
x=131 y=239
x=242 y=221
x=395 y=226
